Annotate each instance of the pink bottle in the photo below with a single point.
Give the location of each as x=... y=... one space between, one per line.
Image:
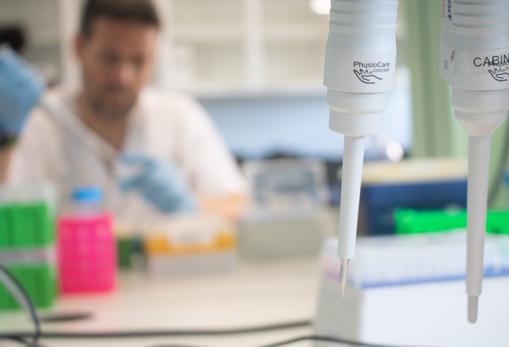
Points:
x=86 y=246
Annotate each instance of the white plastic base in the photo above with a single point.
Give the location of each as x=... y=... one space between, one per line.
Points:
x=414 y=315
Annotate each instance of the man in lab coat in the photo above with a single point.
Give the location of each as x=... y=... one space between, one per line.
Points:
x=150 y=151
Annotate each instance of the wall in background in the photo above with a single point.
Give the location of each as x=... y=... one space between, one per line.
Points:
x=256 y=126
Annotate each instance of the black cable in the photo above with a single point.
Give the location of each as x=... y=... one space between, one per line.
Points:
x=28 y=301
x=500 y=171
x=65 y=317
x=195 y=333
x=163 y=332
x=26 y=343
x=331 y=339
x=21 y=341
x=320 y=338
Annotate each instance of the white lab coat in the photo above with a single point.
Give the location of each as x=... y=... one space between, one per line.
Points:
x=165 y=125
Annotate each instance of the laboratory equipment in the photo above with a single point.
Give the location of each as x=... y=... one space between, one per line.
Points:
x=475 y=62
x=419 y=184
x=282 y=236
x=86 y=246
x=27 y=237
x=398 y=260
x=188 y=245
x=286 y=185
x=359 y=72
x=287 y=216
x=403 y=291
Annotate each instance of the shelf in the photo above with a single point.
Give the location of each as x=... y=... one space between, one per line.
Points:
x=211 y=91
x=44 y=38
x=290 y=13
x=294 y=61
x=36 y=16
x=206 y=13
x=240 y=48
x=296 y=33
x=209 y=34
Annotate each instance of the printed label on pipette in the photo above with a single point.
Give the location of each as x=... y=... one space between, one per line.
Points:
x=370 y=73
x=482 y=70
x=366 y=71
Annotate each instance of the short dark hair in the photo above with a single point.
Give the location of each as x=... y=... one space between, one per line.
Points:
x=14 y=37
x=136 y=11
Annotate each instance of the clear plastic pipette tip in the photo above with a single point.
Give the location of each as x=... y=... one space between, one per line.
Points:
x=473 y=304
x=343 y=274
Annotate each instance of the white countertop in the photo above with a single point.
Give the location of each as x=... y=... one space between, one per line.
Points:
x=254 y=294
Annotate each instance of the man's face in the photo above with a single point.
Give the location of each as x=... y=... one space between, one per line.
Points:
x=116 y=62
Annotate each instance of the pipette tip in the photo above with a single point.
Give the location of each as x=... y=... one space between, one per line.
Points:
x=473 y=303
x=343 y=273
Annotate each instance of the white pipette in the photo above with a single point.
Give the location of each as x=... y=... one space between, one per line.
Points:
x=359 y=73
x=475 y=62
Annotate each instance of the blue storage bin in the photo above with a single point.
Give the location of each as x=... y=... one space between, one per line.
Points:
x=426 y=185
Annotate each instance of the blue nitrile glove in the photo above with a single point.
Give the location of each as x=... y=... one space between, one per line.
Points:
x=20 y=91
x=159 y=183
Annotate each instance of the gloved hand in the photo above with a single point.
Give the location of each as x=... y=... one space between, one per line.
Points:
x=20 y=90
x=159 y=183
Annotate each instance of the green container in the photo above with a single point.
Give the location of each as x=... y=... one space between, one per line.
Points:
x=27 y=228
x=38 y=280
x=130 y=252
x=419 y=222
x=4 y=227
x=26 y=225
x=124 y=252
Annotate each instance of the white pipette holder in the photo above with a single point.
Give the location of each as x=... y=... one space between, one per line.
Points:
x=475 y=62
x=359 y=73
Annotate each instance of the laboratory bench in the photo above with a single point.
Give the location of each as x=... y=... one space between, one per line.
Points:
x=256 y=293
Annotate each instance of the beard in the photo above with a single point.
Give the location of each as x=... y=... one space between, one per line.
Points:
x=111 y=108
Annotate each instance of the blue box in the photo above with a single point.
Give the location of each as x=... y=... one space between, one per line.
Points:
x=418 y=184
x=378 y=201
